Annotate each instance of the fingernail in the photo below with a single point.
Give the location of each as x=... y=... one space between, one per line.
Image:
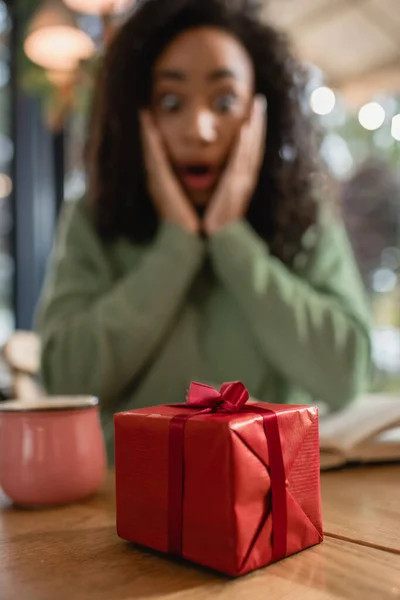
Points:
x=262 y=101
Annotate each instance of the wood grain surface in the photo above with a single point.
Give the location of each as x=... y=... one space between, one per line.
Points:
x=363 y=505
x=74 y=552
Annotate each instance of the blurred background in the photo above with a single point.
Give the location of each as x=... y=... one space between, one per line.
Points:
x=49 y=53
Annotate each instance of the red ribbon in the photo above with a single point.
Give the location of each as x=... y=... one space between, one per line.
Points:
x=231 y=398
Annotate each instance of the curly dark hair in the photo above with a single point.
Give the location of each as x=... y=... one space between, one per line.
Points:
x=283 y=205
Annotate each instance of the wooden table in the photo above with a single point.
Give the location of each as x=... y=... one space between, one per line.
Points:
x=363 y=505
x=74 y=553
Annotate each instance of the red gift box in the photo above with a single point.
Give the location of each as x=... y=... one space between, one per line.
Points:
x=222 y=483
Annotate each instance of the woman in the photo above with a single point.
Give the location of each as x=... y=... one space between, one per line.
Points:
x=201 y=251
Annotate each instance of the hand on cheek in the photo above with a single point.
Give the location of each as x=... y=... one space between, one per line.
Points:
x=168 y=196
x=237 y=185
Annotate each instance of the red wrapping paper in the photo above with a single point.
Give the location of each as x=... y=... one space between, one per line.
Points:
x=228 y=485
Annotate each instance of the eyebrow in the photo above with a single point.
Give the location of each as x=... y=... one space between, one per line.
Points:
x=176 y=75
x=171 y=74
x=222 y=74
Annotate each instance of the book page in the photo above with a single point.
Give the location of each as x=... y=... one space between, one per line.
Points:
x=330 y=459
x=367 y=417
x=382 y=447
x=390 y=436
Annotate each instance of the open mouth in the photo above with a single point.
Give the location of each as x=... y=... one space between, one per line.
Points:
x=198 y=176
x=198 y=170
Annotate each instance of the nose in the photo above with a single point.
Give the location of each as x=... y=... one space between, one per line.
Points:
x=200 y=127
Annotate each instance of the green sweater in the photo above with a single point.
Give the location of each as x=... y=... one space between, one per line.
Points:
x=135 y=324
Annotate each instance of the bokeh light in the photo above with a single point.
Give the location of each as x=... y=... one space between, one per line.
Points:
x=371 y=116
x=323 y=100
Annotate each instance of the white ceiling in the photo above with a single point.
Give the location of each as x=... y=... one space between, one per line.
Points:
x=355 y=42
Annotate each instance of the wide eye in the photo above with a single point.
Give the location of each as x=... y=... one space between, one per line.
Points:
x=170 y=102
x=225 y=103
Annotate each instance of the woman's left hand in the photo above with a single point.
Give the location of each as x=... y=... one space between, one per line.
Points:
x=239 y=180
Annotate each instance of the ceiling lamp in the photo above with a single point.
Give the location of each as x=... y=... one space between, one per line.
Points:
x=54 y=41
x=61 y=79
x=99 y=7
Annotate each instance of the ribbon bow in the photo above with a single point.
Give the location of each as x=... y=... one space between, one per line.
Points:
x=230 y=398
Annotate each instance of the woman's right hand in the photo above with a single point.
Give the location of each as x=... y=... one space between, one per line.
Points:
x=169 y=199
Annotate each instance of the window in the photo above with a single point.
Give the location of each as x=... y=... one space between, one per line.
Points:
x=6 y=184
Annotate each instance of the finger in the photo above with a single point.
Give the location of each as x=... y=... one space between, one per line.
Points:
x=238 y=159
x=249 y=158
x=260 y=133
x=149 y=133
x=158 y=167
x=257 y=132
x=145 y=124
x=250 y=134
x=145 y=136
x=153 y=146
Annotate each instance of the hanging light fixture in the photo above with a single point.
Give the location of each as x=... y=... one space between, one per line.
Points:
x=99 y=7
x=54 y=41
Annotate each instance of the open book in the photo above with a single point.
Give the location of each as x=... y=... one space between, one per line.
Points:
x=367 y=431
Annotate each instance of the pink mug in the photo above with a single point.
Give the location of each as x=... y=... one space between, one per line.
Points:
x=51 y=451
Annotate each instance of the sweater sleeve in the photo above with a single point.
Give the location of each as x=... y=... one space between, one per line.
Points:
x=312 y=328
x=97 y=334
